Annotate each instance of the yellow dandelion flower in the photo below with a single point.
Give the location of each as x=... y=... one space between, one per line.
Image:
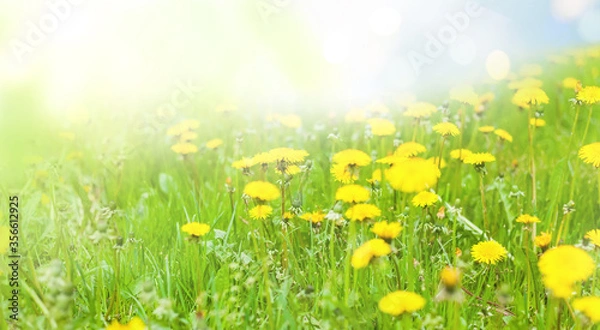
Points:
x=287 y=215
x=543 y=240
x=195 y=229
x=590 y=307
x=352 y=157
x=562 y=267
x=450 y=277
x=420 y=110
x=263 y=158
x=409 y=149
x=464 y=94
x=435 y=161
x=593 y=236
x=525 y=83
x=184 y=148
x=355 y=116
x=425 y=199
x=352 y=194
x=385 y=230
x=361 y=212
x=375 y=177
x=134 y=324
x=314 y=217
x=381 y=127
x=504 y=135
x=379 y=247
x=260 y=212
x=214 y=143
x=525 y=97
x=526 y=218
x=460 y=154
x=290 y=120
x=262 y=190
x=570 y=83
x=489 y=252
x=344 y=173
x=537 y=122
x=486 y=129
x=413 y=175
x=243 y=163
x=288 y=155
x=400 y=302
x=589 y=95
x=590 y=154
x=361 y=257
x=446 y=129
x=479 y=158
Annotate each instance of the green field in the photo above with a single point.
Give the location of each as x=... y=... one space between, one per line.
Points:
x=103 y=196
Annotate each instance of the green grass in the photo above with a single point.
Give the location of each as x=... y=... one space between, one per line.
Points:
x=113 y=217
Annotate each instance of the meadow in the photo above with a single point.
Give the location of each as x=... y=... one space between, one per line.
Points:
x=478 y=208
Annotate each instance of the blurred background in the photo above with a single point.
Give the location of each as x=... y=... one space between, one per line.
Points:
x=62 y=56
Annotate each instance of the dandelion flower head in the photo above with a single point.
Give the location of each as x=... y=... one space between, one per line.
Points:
x=352 y=193
x=446 y=129
x=400 y=302
x=413 y=175
x=562 y=267
x=424 y=199
x=360 y=212
x=488 y=252
x=262 y=190
x=590 y=154
x=385 y=230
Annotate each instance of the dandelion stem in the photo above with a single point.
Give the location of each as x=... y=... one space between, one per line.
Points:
x=398 y=276
x=483 y=206
x=529 y=273
x=598 y=186
x=530 y=130
x=439 y=163
x=587 y=126
x=560 y=229
x=284 y=248
x=332 y=258
x=416 y=129
x=347 y=265
x=573 y=127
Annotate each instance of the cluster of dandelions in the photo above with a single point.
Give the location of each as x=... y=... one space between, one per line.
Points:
x=184 y=134
x=406 y=171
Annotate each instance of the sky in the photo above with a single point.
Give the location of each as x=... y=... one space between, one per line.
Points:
x=265 y=54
